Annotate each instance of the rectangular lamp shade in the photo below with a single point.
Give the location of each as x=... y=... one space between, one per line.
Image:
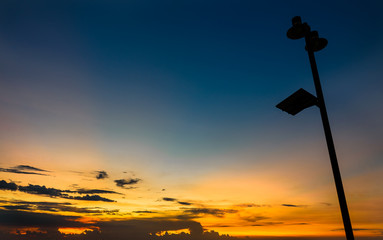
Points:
x=297 y=101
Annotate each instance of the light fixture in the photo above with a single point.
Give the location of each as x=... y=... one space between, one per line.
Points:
x=316 y=42
x=297 y=102
x=298 y=30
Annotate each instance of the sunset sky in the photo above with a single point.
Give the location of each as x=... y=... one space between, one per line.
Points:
x=141 y=116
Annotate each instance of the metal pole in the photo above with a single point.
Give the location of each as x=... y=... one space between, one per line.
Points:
x=330 y=142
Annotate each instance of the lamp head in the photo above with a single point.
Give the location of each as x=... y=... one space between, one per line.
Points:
x=316 y=42
x=298 y=30
x=297 y=102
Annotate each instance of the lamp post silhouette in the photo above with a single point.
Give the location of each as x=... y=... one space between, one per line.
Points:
x=301 y=99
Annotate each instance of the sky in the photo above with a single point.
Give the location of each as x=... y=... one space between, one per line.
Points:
x=157 y=120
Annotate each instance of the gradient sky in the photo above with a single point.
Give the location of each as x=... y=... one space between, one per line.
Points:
x=150 y=111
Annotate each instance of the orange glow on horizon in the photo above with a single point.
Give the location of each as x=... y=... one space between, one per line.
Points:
x=171 y=232
x=75 y=230
x=24 y=231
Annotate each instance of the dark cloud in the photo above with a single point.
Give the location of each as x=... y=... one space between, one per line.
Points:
x=30 y=168
x=8 y=186
x=53 y=207
x=31 y=219
x=197 y=212
x=145 y=211
x=184 y=203
x=168 y=199
x=101 y=175
x=117 y=230
x=25 y=169
x=17 y=207
x=95 y=191
x=143 y=229
x=41 y=190
x=293 y=205
x=92 y=198
x=52 y=192
x=221 y=226
x=123 y=182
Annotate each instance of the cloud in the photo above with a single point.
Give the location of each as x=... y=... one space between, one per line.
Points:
x=41 y=190
x=267 y=224
x=95 y=191
x=117 y=230
x=184 y=203
x=48 y=225
x=143 y=229
x=253 y=218
x=92 y=198
x=53 y=207
x=123 y=182
x=8 y=186
x=293 y=205
x=102 y=175
x=16 y=207
x=52 y=192
x=250 y=205
x=30 y=168
x=31 y=219
x=168 y=199
x=145 y=211
x=25 y=169
x=197 y=212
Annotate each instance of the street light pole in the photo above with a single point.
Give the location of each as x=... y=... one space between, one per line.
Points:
x=313 y=44
x=330 y=145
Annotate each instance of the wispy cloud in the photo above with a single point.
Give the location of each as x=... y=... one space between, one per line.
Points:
x=168 y=199
x=53 y=192
x=293 y=205
x=198 y=212
x=91 y=198
x=261 y=224
x=144 y=211
x=250 y=205
x=253 y=218
x=359 y=229
x=52 y=207
x=25 y=169
x=184 y=203
x=326 y=204
x=94 y=191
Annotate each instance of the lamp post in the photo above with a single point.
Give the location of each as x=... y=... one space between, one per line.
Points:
x=302 y=99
